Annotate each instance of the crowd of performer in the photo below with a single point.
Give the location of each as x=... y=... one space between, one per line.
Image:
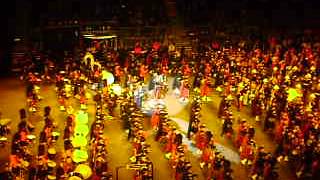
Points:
x=279 y=84
x=82 y=156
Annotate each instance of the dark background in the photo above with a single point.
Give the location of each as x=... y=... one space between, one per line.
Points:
x=27 y=17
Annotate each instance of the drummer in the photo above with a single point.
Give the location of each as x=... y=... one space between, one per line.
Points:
x=4 y=126
x=47 y=117
x=14 y=163
x=51 y=167
x=24 y=120
x=21 y=135
x=54 y=136
x=31 y=138
x=42 y=168
x=52 y=154
x=60 y=173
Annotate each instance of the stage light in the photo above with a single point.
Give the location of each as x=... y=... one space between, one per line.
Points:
x=99 y=37
x=17 y=39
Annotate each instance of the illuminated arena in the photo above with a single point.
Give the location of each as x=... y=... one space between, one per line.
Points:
x=160 y=90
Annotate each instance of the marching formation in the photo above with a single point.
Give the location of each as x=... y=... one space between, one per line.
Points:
x=279 y=84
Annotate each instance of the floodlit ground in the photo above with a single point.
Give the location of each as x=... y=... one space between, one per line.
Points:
x=12 y=98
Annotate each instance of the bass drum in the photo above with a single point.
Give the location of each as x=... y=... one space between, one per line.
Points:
x=84 y=170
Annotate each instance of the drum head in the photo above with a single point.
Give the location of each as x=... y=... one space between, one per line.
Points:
x=3 y=139
x=4 y=122
x=31 y=137
x=52 y=151
x=55 y=133
x=51 y=177
x=25 y=164
x=74 y=178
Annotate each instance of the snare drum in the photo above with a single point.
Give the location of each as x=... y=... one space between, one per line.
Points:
x=52 y=153
x=75 y=176
x=25 y=164
x=51 y=177
x=31 y=137
x=3 y=139
x=51 y=166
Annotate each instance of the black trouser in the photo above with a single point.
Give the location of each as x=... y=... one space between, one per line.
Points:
x=130 y=134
